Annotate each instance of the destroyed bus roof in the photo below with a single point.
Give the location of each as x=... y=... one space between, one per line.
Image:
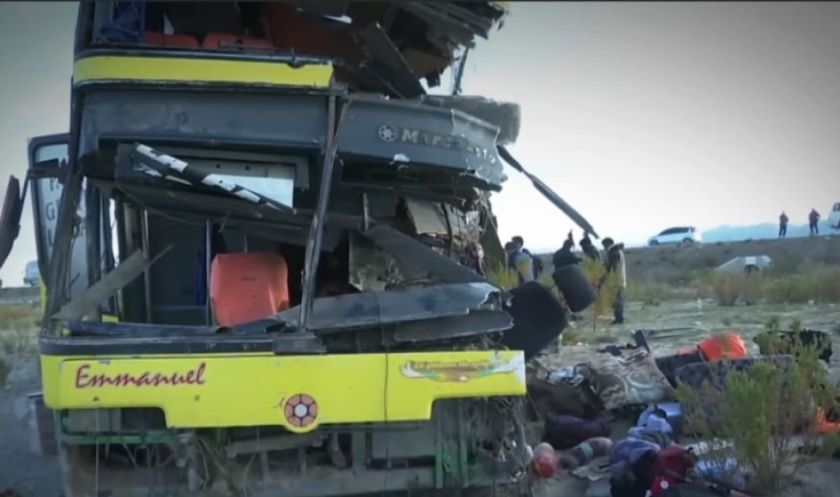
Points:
x=383 y=47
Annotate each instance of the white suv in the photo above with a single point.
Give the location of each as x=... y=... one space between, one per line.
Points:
x=834 y=217
x=681 y=235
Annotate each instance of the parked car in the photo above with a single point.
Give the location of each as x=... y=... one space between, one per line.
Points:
x=32 y=275
x=834 y=217
x=679 y=235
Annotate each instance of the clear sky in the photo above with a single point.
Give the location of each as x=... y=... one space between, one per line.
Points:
x=642 y=115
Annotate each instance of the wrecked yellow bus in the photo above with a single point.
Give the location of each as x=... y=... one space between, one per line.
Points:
x=266 y=249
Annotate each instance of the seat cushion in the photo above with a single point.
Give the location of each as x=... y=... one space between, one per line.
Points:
x=248 y=286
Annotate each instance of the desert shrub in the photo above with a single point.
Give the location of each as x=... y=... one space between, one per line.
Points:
x=18 y=316
x=649 y=293
x=826 y=285
x=7 y=345
x=751 y=288
x=729 y=288
x=766 y=415
x=786 y=263
x=573 y=336
x=792 y=290
x=815 y=283
x=503 y=277
x=547 y=281
x=606 y=284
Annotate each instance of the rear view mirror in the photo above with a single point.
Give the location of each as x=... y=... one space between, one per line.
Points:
x=10 y=217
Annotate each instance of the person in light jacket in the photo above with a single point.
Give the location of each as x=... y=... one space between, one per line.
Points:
x=614 y=262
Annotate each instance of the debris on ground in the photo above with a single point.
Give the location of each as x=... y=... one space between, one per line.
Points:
x=610 y=417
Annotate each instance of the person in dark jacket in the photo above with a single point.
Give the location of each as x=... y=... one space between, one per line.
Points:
x=588 y=249
x=783 y=221
x=813 y=222
x=614 y=262
x=564 y=256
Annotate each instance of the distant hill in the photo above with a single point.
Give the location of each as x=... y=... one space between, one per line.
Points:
x=762 y=231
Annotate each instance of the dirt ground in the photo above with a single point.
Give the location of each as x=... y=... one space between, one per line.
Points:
x=20 y=469
x=674 y=325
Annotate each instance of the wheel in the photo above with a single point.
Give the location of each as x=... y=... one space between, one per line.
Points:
x=654 y=243
x=688 y=242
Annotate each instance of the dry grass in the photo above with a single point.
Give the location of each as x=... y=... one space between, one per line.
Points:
x=18 y=329
x=503 y=277
x=811 y=284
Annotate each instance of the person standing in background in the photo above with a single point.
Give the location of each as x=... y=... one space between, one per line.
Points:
x=614 y=262
x=564 y=256
x=813 y=222
x=536 y=262
x=783 y=220
x=588 y=249
x=520 y=262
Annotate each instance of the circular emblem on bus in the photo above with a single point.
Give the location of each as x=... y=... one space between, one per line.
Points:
x=387 y=133
x=301 y=410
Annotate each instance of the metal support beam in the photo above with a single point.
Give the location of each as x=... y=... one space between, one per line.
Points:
x=59 y=265
x=316 y=232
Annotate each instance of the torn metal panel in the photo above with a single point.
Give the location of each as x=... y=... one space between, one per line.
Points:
x=479 y=322
x=445 y=31
x=386 y=55
x=506 y=115
x=424 y=136
x=371 y=269
x=448 y=230
x=415 y=253
x=429 y=218
x=395 y=306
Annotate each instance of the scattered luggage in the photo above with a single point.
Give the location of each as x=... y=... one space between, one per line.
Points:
x=632 y=379
x=784 y=343
x=564 y=432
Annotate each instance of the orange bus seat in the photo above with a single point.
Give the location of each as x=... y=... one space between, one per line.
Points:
x=171 y=41
x=215 y=41
x=727 y=345
x=823 y=425
x=248 y=286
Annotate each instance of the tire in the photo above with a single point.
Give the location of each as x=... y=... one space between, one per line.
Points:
x=687 y=242
x=654 y=243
